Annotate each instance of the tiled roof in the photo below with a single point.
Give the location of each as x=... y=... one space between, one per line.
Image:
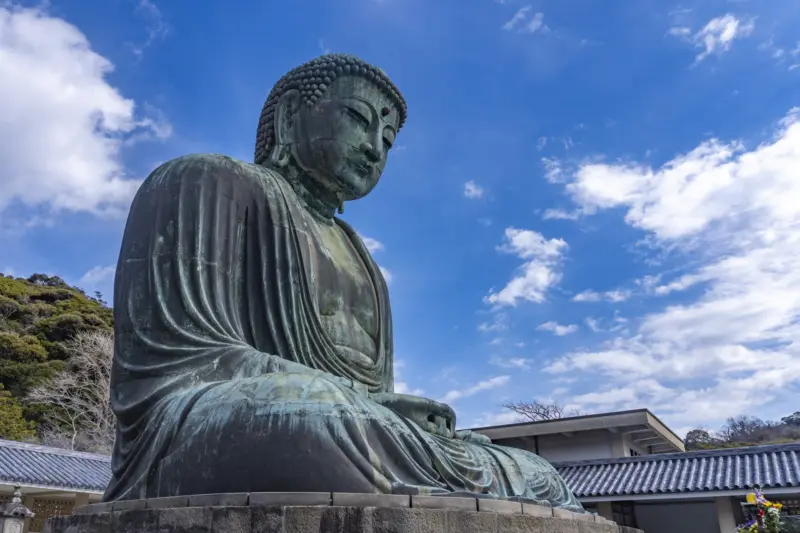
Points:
x=41 y=466
x=772 y=466
x=775 y=466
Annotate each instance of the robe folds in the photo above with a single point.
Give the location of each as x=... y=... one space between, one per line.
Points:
x=225 y=380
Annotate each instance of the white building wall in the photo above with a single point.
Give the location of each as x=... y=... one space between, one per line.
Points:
x=577 y=447
x=629 y=445
x=700 y=517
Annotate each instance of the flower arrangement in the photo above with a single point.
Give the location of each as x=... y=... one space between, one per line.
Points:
x=768 y=515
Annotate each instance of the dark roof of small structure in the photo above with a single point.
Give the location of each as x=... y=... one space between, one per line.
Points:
x=771 y=466
x=31 y=465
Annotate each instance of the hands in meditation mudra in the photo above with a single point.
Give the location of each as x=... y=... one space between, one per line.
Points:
x=253 y=330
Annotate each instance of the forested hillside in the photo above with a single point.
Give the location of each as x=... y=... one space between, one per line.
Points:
x=41 y=319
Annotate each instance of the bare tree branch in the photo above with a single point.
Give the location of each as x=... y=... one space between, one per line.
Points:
x=80 y=415
x=537 y=411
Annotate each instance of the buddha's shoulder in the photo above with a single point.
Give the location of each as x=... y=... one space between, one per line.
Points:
x=203 y=168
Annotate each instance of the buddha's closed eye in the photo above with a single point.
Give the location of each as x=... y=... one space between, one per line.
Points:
x=357 y=116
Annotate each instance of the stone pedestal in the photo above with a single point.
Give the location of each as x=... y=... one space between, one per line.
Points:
x=325 y=513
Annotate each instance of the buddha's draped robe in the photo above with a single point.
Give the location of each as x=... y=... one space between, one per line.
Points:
x=224 y=379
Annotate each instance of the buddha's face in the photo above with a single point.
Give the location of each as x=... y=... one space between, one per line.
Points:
x=343 y=140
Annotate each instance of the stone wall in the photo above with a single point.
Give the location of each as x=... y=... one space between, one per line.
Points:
x=325 y=513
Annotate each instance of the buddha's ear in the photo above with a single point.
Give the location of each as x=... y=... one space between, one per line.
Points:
x=285 y=111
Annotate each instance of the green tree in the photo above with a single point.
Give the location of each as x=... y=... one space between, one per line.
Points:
x=13 y=425
x=39 y=317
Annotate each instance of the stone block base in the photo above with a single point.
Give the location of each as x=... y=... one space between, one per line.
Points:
x=361 y=513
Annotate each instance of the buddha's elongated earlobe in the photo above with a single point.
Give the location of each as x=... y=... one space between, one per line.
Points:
x=285 y=111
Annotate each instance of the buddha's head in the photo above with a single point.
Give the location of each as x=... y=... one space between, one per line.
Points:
x=334 y=119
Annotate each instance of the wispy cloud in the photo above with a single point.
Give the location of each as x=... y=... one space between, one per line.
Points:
x=525 y=21
x=488 y=384
x=473 y=191
x=734 y=213
x=155 y=25
x=373 y=245
x=717 y=36
x=594 y=296
x=540 y=271
x=558 y=329
x=519 y=363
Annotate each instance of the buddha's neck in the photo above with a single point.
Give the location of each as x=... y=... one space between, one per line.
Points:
x=320 y=202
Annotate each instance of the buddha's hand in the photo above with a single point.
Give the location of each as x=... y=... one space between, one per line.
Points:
x=430 y=415
x=470 y=436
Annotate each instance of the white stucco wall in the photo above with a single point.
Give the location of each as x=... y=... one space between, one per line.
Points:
x=628 y=444
x=578 y=447
x=698 y=517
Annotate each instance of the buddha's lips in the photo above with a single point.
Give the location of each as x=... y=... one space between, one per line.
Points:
x=364 y=169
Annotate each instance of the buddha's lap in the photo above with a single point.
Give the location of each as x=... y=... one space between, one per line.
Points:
x=291 y=419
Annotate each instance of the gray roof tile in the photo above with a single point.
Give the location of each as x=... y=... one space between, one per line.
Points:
x=32 y=465
x=773 y=466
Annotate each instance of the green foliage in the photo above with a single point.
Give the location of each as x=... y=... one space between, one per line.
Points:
x=38 y=317
x=13 y=425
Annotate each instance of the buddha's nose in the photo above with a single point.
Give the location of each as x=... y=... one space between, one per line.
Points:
x=372 y=154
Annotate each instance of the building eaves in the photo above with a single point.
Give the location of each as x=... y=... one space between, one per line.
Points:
x=41 y=466
x=772 y=466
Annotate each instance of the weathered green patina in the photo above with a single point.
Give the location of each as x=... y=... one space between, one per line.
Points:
x=253 y=329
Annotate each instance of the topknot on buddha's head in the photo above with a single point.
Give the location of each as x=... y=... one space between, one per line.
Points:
x=311 y=80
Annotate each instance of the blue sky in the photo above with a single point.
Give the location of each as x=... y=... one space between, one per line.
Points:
x=590 y=203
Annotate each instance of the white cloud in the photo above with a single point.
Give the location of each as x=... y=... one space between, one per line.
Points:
x=97 y=275
x=539 y=272
x=558 y=329
x=387 y=275
x=680 y=284
x=488 y=384
x=535 y=23
x=373 y=245
x=614 y=296
x=55 y=98
x=553 y=171
x=524 y=24
x=593 y=324
x=472 y=190
x=519 y=363
x=560 y=214
x=733 y=214
x=617 y=296
x=717 y=36
x=587 y=296
x=156 y=25
x=518 y=18
x=401 y=387
x=496 y=419
x=499 y=323
x=680 y=31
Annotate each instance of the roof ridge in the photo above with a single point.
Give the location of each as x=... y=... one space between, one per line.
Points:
x=53 y=451
x=683 y=456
